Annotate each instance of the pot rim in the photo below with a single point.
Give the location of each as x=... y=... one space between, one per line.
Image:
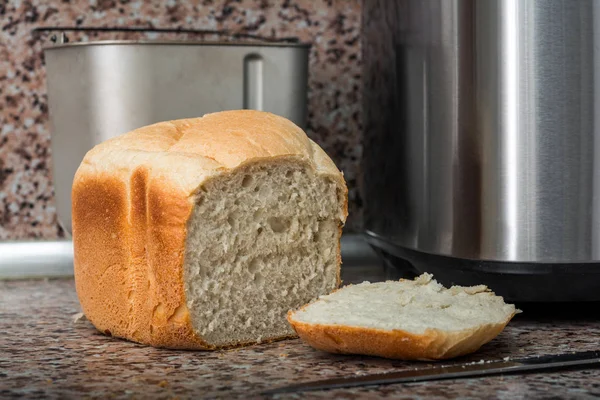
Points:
x=177 y=43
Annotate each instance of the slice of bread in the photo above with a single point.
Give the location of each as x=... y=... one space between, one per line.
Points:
x=203 y=233
x=409 y=320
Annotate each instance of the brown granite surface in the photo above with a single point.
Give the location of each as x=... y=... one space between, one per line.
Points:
x=43 y=354
x=27 y=206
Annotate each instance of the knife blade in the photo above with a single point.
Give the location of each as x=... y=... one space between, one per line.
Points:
x=588 y=359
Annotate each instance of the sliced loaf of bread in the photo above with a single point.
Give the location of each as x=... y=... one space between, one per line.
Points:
x=410 y=320
x=202 y=233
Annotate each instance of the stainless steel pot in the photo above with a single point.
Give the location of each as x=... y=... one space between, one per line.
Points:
x=98 y=90
x=489 y=154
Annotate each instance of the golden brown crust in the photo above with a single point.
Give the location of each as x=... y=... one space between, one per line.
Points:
x=100 y=202
x=132 y=198
x=433 y=344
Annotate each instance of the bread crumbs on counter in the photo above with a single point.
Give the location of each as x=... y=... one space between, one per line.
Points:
x=476 y=362
x=236 y=349
x=79 y=317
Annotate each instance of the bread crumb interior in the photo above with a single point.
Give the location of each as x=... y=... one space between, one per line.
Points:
x=411 y=306
x=261 y=241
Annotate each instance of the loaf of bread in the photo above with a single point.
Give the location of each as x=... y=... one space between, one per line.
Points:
x=203 y=233
x=408 y=320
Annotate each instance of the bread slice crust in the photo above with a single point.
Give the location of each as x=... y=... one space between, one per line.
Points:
x=433 y=344
x=132 y=198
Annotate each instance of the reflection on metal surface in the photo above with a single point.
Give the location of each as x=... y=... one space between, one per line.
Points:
x=19 y=260
x=489 y=146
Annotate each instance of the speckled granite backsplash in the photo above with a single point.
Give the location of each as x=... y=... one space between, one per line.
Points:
x=27 y=207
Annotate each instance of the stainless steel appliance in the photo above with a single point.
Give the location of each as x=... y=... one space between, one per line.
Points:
x=482 y=148
x=97 y=90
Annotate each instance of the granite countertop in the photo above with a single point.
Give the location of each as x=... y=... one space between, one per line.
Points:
x=45 y=354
